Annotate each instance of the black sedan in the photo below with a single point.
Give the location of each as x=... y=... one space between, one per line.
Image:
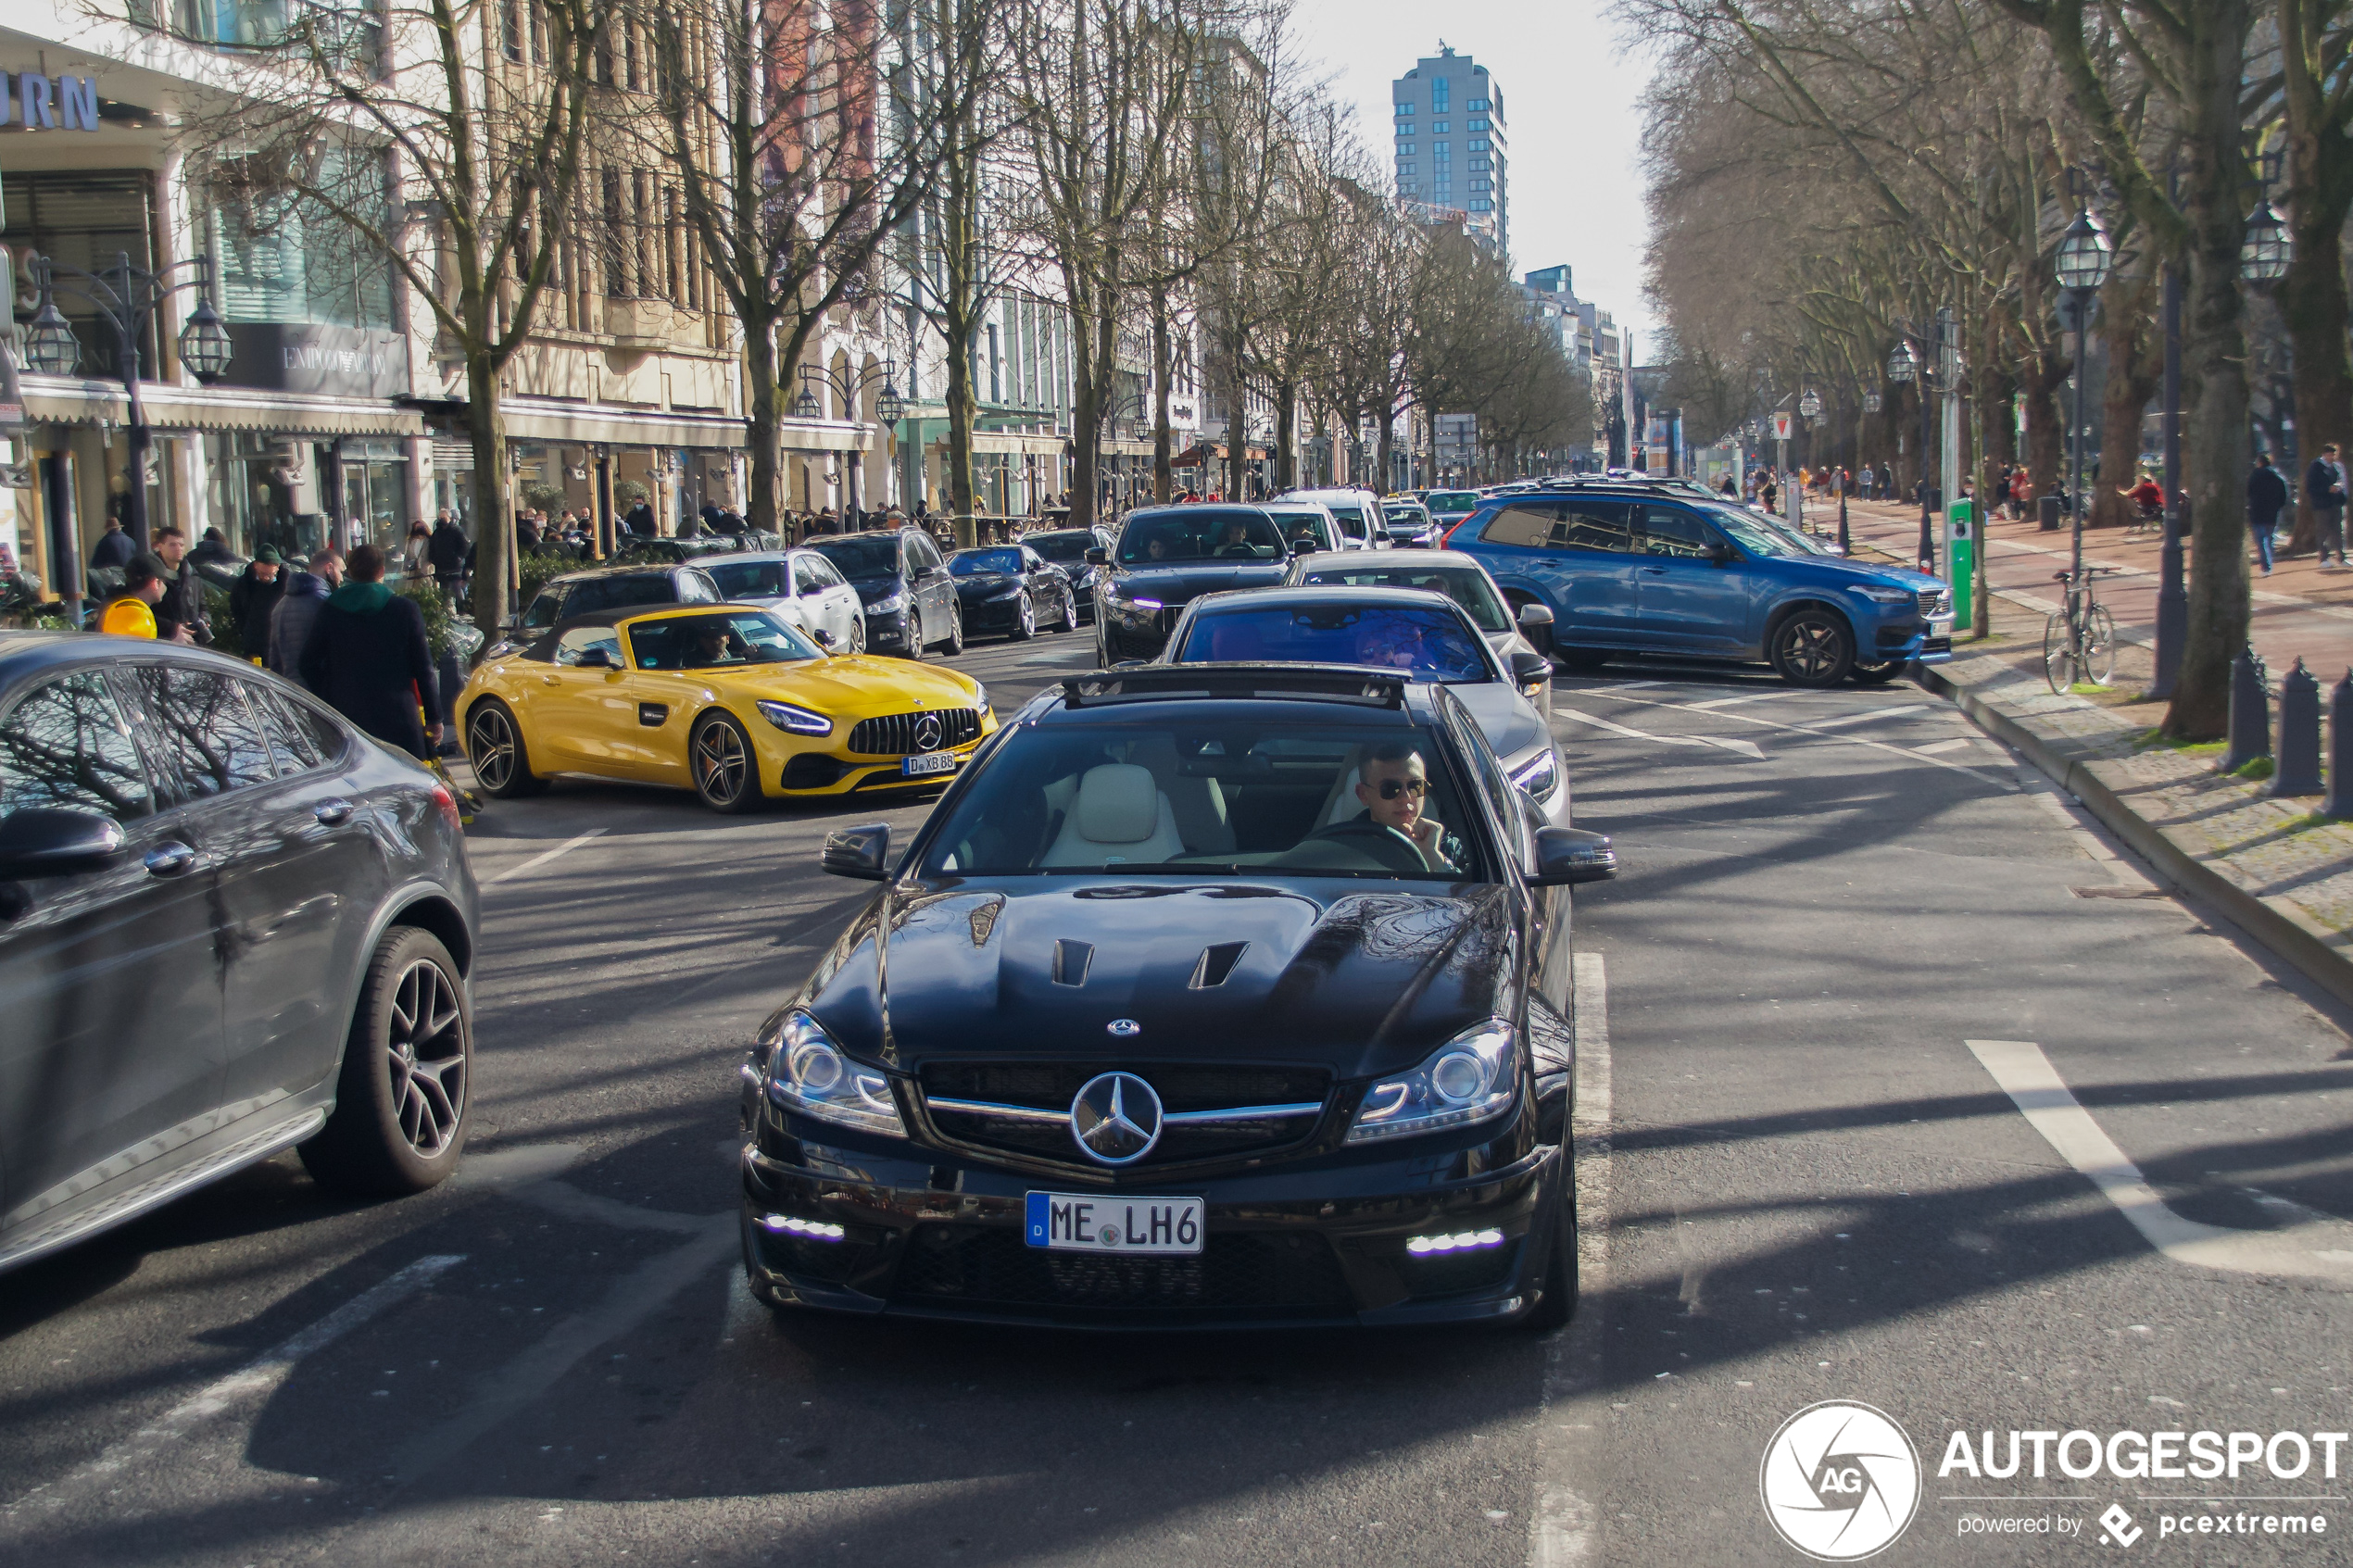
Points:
x=1207 y=996
x=229 y=924
x=1067 y=547
x=1012 y=589
x=1168 y=556
x=911 y=604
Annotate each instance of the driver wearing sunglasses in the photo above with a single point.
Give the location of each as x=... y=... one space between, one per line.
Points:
x=1394 y=785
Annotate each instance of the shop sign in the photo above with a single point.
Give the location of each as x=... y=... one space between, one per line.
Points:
x=49 y=103
x=330 y=361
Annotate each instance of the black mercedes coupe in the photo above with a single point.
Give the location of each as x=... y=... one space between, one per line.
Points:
x=1168 y=556
x=1208 y=995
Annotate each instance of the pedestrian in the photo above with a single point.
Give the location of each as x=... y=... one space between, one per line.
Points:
x=296 y=612
x=251 y=599
x=526 y=534
x=114 y=549
x=2324 y=489
x=416 y=550
x=445 y=549
x=1771 y=492
x=131 y=612
x=2266 y=499
x=639 y=520
x=213 y=551
x=2021 y=492
x=367 y=656
x=2147 y=499
x=183 y=602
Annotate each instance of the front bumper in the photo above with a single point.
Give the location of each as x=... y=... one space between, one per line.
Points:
x=938 y=1236
x=832 y=769
x=1928 y=641
x=1129 y=633
x=992 y=615
x=888 y=632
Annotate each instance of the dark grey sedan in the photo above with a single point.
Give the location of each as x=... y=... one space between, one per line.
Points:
x=229 y=924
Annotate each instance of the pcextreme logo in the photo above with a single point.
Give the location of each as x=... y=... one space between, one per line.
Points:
x=1841 y=1481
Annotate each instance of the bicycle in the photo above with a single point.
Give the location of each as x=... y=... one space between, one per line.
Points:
x=2079 y=641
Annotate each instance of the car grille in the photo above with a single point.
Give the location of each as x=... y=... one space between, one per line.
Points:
x=992 y=1267
x=1936 y=602
x=1030 y=1105
x=894 y=735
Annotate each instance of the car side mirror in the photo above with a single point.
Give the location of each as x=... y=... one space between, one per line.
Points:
x=597 y=659
x=1722 y=554
x=1572 y=854
x=1098 y=557
x=862 y=852
x=1529 y=671
x=54 y=840
x=824 y=639
x=1533 y=614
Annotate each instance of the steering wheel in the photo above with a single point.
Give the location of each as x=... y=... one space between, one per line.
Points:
x=1383 y=842
x=1238 y=551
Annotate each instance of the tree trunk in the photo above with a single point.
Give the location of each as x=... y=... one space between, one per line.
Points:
x=2312 y=308
x=1164 y=455
x=494 y=511
x=2135 y=372
x=763 y=509
x=1384 y=453
x=2042 y=378
x=1086 y=418
x=964 y=410
x=1286 y=418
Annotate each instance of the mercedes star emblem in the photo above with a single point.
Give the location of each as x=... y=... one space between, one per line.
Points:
x=1123 y=1028
x=928 y=733
x=1115 y=1119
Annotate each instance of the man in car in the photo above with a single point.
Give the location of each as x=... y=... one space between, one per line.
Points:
x=716 y=643
x=1234 y=540
x=1393 y=784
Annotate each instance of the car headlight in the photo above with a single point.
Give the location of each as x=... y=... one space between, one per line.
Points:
x=799 y=721
x=1470 y=1078
x=890 y=604
x=807 y=1073
x=980 y=697
x=1538 y=776
x=1892 y=597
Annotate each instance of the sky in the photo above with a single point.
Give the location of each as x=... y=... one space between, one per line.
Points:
x=1569 y=100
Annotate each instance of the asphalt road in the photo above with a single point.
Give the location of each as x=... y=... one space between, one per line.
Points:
x=1799 y=1182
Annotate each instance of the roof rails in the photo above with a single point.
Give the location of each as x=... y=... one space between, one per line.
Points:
x=1175 y=682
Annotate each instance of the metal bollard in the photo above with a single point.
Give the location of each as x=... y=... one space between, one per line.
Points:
x=2250 y=711
x=2339 y=804
x=2299 y=753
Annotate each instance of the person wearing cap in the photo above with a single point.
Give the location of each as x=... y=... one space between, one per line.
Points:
x=131 y=613
x=296 y=611
x=253 y=597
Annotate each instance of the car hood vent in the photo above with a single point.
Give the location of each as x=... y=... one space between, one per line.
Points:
x=1071 y=959
x=1217 y=961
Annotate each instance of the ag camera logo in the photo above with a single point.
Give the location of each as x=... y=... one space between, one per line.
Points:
x=1841 y=1481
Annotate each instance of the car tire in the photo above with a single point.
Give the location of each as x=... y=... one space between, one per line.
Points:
x=1880 y=674
x=494 y=750
x=1025 y=619
x=953 y=643
x=858 y=633
x=1070 y=614
x=1813 y=648
x=1558 y=1303
x=726 y=769
x=1581 y=661
x=399 y=1121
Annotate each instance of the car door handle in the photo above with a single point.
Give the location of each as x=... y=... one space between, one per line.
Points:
x=170 y=859
x=332 y=812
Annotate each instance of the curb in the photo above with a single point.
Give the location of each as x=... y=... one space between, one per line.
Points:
x=2293 y=936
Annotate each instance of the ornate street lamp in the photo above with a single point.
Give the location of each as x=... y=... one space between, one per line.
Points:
x=1901 y=364
x=1809 y=403
x=2085 y=256
x=2084 y=262
x=50 y=347
x=2265 y=252
x=1871 y=402
x=890 y=407
x=204 y=343
x=805 y=406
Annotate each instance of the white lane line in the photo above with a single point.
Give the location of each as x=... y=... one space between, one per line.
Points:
x=1736 y=701
x=247 y=1385
x=1874 y=716
x=1904 y=752
x=566 y=847
x=1563 y=1528
x=2319 y=1251
x=1741 y=748
x=1940 y=747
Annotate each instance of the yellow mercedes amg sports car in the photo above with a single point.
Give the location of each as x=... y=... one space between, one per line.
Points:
x=727 y=700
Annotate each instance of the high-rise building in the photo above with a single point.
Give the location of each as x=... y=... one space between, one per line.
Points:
x=1451 y=152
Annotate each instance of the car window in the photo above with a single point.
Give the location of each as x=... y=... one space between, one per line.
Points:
x=593 y=593
x=926 y=553
x=1031 y=560
x=1176 y=797
x=1466 y=586
x=804 y=576
x=821 y=571
x=1004 y=561
x=293 y=735
x=572 y=645
x=1431 y=642
x=543 y=608
x=1310 y=526
x=710 y=641
x=695 y=587
x=202 y=719
x=1670 y=531
x=1199 y=533
x=752 y=579
x=863 y=555
x=66 y=744
x=1502 y=798
x=1753 y=534
x=1068 y=545
x=1595 y=525
x=1526 y=524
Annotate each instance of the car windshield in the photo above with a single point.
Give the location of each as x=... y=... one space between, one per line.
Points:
x=861 y=554
x=1453 y=500
x=593 y=593
x=751 y=579
x=1405 y=516
x=1466 y=586
x=1751 y=532
x=708 y=642
x=1069 y=544
x=980 y=563
x=1204 y=534
x=1431 y=642
x=1180 y=798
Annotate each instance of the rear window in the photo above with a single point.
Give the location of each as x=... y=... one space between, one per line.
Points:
x=1452 y=501
x=1199 y=533
x=1432 y=642
x=750 y=579
x=593 y=593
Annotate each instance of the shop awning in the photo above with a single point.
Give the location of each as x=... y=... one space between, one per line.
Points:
x=73 y=400
x=1213 y=451
x=546 y=423
x=1006 y=443
x=1126 y=448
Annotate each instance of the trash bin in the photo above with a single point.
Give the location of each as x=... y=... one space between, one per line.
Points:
x=2052 y=506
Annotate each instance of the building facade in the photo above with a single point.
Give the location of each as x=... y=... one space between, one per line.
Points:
x=1451 y=148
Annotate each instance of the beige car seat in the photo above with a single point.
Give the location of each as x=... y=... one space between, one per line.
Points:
x=1119 y=815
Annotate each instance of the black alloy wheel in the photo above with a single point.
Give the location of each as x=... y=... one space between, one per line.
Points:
x=1070 y=612
x=1025 y=619
x=953 y=643
x=726 y=769
x=1878 y=675
x=495 y=747
x=1813 y=648
x=401 y=1095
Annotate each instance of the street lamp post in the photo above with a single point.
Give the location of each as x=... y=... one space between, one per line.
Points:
x=889 y=408
x=1809 y=404
x=1871 y=405
x=2083 y=261
x=1904 y=366
x=127 y=297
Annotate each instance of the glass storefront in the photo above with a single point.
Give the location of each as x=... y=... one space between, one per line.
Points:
x=375 y=490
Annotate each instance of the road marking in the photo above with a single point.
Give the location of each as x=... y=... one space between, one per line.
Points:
x=566 y=847
x=1736 y=701
x=1874 y=716
x=2317 y=1251
x=245 y=1386
x=1904 y=752
x=1938 y=748
x=1563 y=1528
x=1741 y=748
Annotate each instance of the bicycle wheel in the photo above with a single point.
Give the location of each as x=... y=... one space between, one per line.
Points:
x=2099 y=645
x=2058 y=652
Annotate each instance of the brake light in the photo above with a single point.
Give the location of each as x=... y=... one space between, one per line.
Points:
x=449 y=804
x=1446 y=541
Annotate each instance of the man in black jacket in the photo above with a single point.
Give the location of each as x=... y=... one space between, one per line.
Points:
x=114 y=549
x=446 y=550
x=252 y=598
x=368 y=657
x=2266 y=499
x=183 y=601
x=2324 y=491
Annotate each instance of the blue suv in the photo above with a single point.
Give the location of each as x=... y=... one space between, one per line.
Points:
x=1634 y=571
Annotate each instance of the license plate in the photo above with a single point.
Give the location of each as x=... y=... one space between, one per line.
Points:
x=1088 y=1222
x=928 y=763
